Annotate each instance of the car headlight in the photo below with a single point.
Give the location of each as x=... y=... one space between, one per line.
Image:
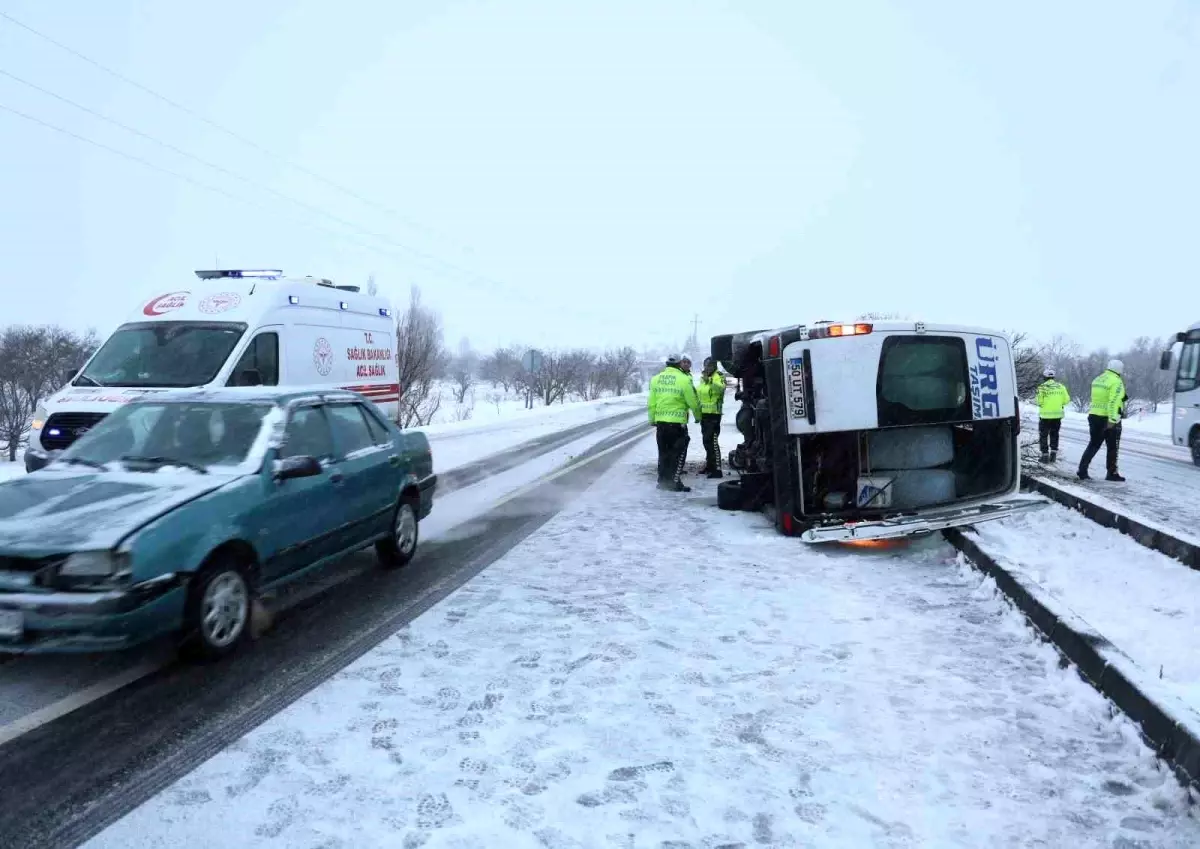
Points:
x=40 y=414
x=92 y=564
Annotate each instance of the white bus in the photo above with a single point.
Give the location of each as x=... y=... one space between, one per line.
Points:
x=1185 y=424
x=872 y=430
x=230 y=328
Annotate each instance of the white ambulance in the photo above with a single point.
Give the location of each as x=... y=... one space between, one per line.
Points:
x=232 y=328
x=870 y=430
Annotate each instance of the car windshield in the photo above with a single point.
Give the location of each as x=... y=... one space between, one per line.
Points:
x=146 y=436
x=162 y=353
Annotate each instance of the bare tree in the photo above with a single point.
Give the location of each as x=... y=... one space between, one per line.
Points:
x=1143 y=378
x=1028 y=362
x=1079 y=372
x=561 y=372
x=502 y=367
x=421 y=360
x=34 y=362
x=591 y=381
x=619 y=370
x=463 y=371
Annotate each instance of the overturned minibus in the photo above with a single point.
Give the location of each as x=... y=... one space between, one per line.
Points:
x=873 y=430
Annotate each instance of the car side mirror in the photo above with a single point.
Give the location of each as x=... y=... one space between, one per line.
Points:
x=297 y=467
x=1164 y=362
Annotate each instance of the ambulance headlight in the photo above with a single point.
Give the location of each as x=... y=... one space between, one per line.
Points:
x=39 y=417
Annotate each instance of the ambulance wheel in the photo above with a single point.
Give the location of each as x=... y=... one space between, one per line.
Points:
x=729 y=495
x=1196 y=446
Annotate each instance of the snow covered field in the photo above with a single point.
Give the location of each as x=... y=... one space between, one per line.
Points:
x=458 y=443
x=485 y=404
x=1156 y=424
x=647 y=671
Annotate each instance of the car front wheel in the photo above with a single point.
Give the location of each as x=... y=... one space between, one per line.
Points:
x=217 y=618
x=401 y=546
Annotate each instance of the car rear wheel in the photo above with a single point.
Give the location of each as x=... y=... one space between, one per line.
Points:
x=217 y=617
x=401 y=546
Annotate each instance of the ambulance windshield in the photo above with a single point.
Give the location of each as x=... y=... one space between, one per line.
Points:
x=165 y=354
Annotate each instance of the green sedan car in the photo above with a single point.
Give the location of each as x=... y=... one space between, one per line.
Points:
x=174 y=513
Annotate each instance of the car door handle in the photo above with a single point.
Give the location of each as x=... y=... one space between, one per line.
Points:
x=394 y=459
x=336 y=477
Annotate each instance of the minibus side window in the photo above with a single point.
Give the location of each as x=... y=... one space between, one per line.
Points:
x=259 y=363
x=923 y=380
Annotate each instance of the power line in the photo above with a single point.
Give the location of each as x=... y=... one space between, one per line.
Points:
x=416 y=225
x=185 y=178
x=427 y=257
x=218 y=190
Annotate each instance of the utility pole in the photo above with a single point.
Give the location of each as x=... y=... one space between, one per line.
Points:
x=693 y=341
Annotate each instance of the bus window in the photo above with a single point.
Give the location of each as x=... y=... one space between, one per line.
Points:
x=1189 y=366
x=922 y=380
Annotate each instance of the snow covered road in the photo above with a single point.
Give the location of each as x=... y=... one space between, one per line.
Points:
x=647 y=671
x=30 y=686
x=1161 y=480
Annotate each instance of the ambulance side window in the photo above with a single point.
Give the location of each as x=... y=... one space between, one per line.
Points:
x=259 y=364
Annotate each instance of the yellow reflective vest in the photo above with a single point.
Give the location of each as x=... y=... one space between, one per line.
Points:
x=672 y=395
x=711 y=392
x=1108 y=393
x=1052 y=399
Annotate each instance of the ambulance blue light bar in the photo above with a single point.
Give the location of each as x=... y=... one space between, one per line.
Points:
x=217 y=274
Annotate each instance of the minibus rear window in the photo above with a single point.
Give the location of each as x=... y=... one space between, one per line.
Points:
x=922 y=380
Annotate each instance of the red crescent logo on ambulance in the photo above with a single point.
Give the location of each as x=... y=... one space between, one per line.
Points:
x=165 y=303
x=220 y=302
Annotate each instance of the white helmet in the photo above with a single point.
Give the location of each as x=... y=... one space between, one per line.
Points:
x=1117 y=366
x=1048 y=372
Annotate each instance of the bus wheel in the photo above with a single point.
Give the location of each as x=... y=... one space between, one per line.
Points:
x=1196 y=446
x=729 y=495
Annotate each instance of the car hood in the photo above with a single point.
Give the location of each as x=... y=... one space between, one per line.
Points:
x=53 y=512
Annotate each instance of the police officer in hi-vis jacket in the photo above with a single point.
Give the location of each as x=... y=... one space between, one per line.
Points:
x=711 y=392
x=1052 y=399
x=672 y=397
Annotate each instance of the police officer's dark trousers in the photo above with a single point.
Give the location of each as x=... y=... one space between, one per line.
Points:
x=710 y=430
x=1100 y=435
x=1048 y=434
x=672 y=448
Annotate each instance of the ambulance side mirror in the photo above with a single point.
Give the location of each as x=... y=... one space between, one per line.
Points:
x=1165 y=361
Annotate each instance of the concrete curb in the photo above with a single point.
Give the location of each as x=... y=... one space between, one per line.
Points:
x=1099 y=663
x=1151 y=537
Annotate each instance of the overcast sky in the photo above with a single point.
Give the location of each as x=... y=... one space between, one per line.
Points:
x=596 y=172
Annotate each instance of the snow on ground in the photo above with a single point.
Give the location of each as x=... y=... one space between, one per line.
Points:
x=485 y=404
x=646 y=671
x=1158 y=491
x=1156 y=424
x=1143 y=602
x=11 y=470
x=459 y=443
